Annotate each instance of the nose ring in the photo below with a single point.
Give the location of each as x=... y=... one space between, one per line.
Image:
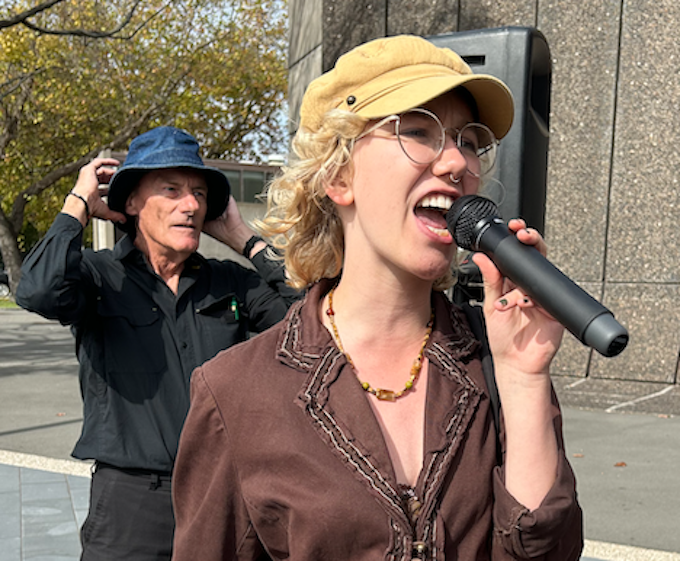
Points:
x=455 y=180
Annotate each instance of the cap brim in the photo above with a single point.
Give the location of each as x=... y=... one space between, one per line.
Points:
x=494 y=100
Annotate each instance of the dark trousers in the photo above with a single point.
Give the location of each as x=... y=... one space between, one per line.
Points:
x=130 y=516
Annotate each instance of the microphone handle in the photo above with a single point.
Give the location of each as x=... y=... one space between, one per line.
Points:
x=587 y=319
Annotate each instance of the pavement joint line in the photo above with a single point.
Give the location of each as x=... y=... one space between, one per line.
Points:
x=603 y=551
x=21 y=430
x=36 y=362
x=639 y=399
x=43 y=463
x=577 y=383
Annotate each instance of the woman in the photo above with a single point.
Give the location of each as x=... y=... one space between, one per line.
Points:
x=361 y=427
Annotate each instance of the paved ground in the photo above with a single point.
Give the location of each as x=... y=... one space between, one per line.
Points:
x=41 y=512
x=623 y=440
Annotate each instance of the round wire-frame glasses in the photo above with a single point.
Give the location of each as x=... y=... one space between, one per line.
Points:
x=422 y=137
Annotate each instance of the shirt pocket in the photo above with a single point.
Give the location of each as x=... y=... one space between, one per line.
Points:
x=133 y=339
x=222 y=323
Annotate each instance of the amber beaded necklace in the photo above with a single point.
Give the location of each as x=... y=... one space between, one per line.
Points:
x=382 y=394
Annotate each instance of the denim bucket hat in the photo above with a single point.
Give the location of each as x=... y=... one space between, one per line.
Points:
x=163 y=148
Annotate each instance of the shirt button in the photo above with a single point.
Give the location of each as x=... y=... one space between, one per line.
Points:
x=184 y=344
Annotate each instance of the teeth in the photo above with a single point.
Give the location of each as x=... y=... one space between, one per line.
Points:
x=441 y=232
x=441 y=202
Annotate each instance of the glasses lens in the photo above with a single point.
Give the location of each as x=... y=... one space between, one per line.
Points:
x=478 y=144
x=420 y=135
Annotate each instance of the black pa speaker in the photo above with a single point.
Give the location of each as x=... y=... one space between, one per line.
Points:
x=520 y=57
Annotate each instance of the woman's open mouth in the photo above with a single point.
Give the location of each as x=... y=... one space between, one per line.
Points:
x=431 y=211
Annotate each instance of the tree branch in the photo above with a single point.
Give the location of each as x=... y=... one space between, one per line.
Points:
x=23 y=19
x=23 y=16
x=145 y=22
x=93 y=34
x=85 y=32
x=10 y=86
x=16 y=216
x=13 y=115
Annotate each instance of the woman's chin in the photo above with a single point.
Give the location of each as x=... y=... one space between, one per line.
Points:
x=434 y=271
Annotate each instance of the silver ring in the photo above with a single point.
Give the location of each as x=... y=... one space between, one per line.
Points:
x=455 y=180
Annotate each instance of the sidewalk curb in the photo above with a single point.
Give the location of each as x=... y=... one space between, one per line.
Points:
x=600 y=551
x=32 y=461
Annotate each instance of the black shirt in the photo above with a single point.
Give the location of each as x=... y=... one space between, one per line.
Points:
x=137 y=342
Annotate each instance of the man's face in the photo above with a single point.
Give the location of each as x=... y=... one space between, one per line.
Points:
x=170 y=206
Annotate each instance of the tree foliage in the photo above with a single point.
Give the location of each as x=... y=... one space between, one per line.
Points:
x=29 y=16
x=78 y=76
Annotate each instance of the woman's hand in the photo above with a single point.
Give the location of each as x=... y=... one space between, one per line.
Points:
x=523 y=339
x=522 y=336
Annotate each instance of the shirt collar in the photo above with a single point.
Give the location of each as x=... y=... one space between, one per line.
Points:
x=125 y=248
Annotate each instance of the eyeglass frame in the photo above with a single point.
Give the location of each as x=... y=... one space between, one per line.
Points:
x=397 y=118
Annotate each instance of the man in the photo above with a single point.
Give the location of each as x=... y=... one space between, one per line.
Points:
x=144 y=316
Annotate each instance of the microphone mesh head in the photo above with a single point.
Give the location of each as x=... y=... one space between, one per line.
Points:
x=463 y=217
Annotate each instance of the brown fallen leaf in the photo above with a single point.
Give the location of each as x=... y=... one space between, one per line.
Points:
x=620 y=464
x=577 y=455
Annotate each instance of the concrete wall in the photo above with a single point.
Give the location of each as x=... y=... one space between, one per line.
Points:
x=612 y=195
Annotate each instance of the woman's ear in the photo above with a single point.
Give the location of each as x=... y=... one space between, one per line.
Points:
x=339 y=190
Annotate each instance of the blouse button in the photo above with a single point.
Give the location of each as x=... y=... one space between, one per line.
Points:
x=419 y=551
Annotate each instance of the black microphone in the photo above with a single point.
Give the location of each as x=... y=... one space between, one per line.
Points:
x=474 y=224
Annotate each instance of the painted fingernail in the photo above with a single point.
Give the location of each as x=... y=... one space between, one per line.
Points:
x=503 y=302
x=526 y=300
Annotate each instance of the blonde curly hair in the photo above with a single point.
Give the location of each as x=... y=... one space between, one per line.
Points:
x=301 y=221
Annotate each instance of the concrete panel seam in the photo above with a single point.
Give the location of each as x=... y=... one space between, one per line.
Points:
x=639 y=399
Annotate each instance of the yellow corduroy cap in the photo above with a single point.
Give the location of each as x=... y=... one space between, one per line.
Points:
x=395 y=74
